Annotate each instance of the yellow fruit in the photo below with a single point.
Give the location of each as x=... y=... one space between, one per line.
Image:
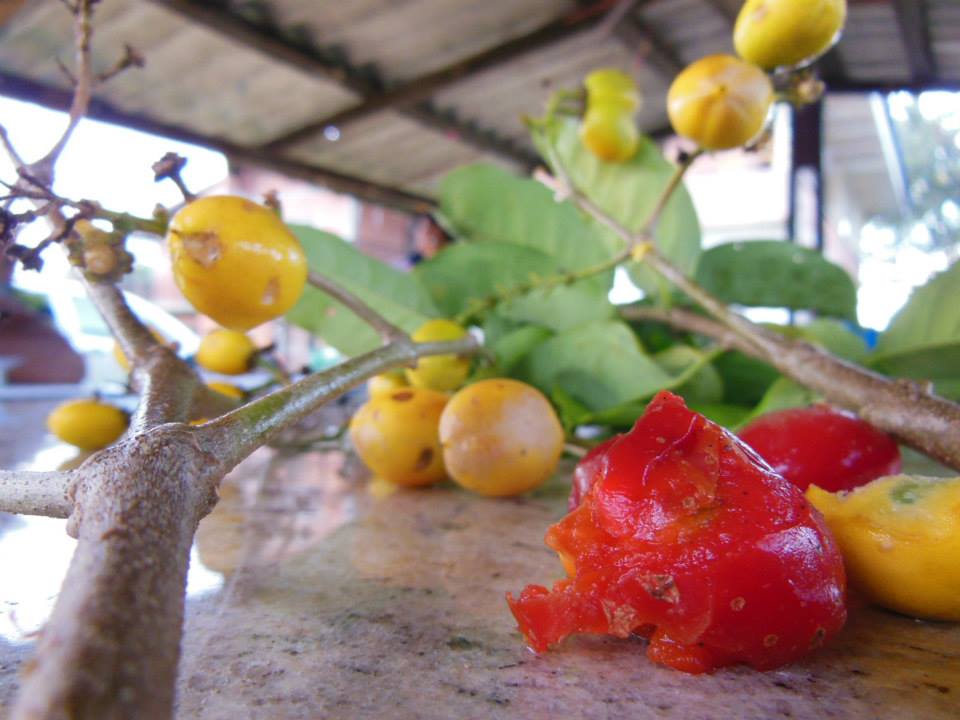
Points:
x=236 y=261
x=720 y=102
x=226 y=389
x=227 y=352
x=395 y=434
x=609 y=133
x=613 y=86
x=900 y=540
x=388 y=381
x=786 y=33
x=439 y=372
x=87 y=424
x=500 y=437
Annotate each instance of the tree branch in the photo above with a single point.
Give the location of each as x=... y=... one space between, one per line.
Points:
x=235 y=435
x=903 y=408
x=36 y=493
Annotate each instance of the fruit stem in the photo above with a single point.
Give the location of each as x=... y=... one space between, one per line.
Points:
x=388 y=331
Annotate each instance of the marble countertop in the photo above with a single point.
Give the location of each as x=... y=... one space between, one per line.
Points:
x=313 y=595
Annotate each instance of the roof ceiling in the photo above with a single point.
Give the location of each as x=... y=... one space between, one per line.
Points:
x=415 y=87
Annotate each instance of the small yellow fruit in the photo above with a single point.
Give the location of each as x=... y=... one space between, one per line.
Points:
x=226 y=389
x=787 y=33
x=87 y=424
x=439 y=372
x=609 y=133
x=900 y=540
x=236 y=261
x=613 y=86
x=227 y=352
x=720 y=102
x=500 y=437
x=395 y=434
x=388 y=381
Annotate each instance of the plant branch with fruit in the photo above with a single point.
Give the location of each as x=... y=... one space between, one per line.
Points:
x=531 y=271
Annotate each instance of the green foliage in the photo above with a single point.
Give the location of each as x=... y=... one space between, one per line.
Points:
x=466 y=273
x=923 y=340
x=394 y=294
x=482 y=203
x=704 y=385
x=781 y=395
x=745 y=380
x=774 y=273
x=600 y=364
x=628 y=192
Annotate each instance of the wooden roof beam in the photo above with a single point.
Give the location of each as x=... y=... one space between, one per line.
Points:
x=637 y=36
x=573 y=24
x=274 y=46
x=55 y=98
x=915 y=35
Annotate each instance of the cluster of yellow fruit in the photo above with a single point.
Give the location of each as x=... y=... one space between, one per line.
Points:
x=720 y=101
x=496 y=437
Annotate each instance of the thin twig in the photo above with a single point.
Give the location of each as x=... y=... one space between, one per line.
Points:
x=388 y=331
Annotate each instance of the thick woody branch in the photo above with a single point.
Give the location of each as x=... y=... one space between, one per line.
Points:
x=387 y=330
x=681 y=319
x=904 y=408
x=111 y=646
x=35 y=493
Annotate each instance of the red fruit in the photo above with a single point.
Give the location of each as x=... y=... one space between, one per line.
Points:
x=687 y=537
x=588 y=469
x=822 y=446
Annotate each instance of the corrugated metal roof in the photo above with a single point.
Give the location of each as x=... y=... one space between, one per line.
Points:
x=242 y=74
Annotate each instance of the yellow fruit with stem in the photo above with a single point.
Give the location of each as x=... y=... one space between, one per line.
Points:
x=720 y=102
x=787 y=33
x=227 y=352
x=236 y=261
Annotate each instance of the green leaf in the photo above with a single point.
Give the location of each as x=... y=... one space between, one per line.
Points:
x=483 y=203
x=394 y=294
x=782 y=395
x=629 y=192
x=512 y=347
x=572 y=412
x=704 y=384
x=776 y=273
x=465 y=272
x=600 y=364
x=923 y=340
x=836 y=338
x=745 y=379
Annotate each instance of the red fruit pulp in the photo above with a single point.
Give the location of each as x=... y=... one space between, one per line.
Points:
x=685 y=536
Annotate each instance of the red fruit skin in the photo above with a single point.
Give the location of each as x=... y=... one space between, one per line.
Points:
x=687 y=537
x=590 y=467
x=823 y=446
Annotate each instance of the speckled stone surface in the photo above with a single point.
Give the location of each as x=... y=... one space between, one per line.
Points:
x=320 y=597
